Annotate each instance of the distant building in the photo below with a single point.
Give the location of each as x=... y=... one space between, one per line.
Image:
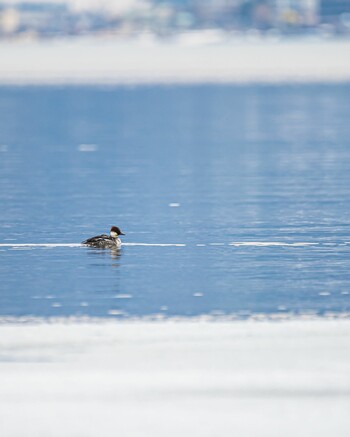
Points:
x=296 y=13
x=9 y=21
x=40 y=18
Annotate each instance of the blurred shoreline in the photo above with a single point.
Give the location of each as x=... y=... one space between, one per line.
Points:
x=191 y=58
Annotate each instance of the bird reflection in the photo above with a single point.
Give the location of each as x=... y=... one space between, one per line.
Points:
x=114 y=253
x=108 y=280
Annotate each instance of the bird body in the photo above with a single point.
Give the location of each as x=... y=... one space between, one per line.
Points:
x=104 y=241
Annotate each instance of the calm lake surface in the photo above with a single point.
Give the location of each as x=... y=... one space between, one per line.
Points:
x=253 y=181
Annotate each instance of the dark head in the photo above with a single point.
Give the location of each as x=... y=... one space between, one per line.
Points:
x=115 y=232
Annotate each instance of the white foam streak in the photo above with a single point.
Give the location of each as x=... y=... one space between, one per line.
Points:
x=269 y=243
x=155 y=244
x=81 y=245
x=40 y=245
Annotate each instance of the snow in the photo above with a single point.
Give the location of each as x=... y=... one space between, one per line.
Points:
x=171 y=378
x=109 y=60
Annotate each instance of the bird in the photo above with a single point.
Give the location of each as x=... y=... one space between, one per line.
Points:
x=104 y=241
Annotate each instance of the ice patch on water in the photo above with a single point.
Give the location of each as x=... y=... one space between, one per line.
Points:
x=123 y=296
x=87 y=147
x=116 y=313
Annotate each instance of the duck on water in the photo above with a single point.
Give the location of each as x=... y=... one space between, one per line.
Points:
x=104 y=241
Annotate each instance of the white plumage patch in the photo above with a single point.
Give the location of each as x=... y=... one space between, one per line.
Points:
x=113 y=234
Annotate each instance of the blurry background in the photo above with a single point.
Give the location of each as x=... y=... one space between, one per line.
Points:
x=168 y=19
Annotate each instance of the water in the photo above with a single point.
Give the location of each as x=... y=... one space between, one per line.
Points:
x=252 y=183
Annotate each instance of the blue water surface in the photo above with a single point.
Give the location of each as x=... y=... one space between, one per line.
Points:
x=209 y=167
